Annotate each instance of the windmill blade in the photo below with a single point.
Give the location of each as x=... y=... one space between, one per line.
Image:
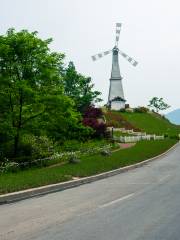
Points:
x=118 y=30
x=100 y=55
x=128 y=58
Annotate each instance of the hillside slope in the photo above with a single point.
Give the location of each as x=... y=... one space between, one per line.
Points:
x=174 y=116
x=147 y=122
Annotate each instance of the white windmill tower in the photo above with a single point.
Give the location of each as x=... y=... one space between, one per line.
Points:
x=116 y=100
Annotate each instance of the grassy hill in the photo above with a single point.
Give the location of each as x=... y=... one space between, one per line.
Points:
x=147 y=122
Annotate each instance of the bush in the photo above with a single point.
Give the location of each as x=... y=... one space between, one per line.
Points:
x=69 y=146
x=93 y=118
x=81 y=133
x=166 y=135
x=106 y=152
x=8 y=166
x=114 y=123
x=92 y=112
x=141 y=110
x=108 y=134
x=6 y=150
x=176 y=137
x=73 y=159
x=122 y=110
x=32 y=148
x=75 y=145
x=100 y=128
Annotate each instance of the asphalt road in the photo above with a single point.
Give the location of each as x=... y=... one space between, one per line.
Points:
x=143 y=203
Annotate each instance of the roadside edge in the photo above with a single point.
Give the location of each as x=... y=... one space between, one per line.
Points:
x=34 y=192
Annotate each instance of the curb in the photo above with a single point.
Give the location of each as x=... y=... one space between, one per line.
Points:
x=34 y=192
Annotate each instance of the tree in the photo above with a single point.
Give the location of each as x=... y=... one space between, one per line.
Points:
x=158 y=104
x=79 y=88
x=31 y=89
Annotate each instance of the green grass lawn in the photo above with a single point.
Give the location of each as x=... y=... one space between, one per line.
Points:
x=10 y=182
x=120 y=134
x=151 y=123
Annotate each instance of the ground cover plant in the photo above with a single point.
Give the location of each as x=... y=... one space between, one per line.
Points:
x=69 y=149
x=90 y=165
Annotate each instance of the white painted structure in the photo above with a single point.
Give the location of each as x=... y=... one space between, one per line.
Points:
x=130 y=139
x=117 y=105
x=116 y=100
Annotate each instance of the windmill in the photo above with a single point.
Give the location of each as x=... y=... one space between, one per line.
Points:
x=116 y=100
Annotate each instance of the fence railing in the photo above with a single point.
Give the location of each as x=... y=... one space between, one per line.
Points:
x=136 y=136
x=128 y=139
x=128 y=131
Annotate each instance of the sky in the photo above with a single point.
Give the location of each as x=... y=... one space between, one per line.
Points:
x=81 y=28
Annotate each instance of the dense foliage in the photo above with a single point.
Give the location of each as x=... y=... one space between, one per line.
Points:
x=93 y=117
x=79 y=88
x=40 y=99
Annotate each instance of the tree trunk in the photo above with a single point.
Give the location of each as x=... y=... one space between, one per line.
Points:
x=19 y=124
x=16 y=143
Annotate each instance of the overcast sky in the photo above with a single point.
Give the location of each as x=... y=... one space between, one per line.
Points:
x=80 y=28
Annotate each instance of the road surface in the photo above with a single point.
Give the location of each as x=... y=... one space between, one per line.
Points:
x=143 y=203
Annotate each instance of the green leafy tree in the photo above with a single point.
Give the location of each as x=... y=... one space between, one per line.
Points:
x=31 y=89
x=79 y=88
x=158 y=104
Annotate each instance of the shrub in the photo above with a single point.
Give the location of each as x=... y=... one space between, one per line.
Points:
x=6 y=150
x=81 y=133
x=166 y=135
x=8 y=166
x=176 y=137
x=114 y=123
x=108 y=134
x=100 y=128
x=93 y=117
x=73 y=159
x=69 y=146
x=75 y=145
x=37 y=147
x=106 y=152
x=92 y=112
x=32 y=148
x=141 y=110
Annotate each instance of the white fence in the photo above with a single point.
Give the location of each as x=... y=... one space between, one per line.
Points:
x=136 y=136
x=129 y=139
x=128 y=131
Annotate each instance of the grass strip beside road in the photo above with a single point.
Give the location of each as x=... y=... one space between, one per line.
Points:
x=88 y=166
